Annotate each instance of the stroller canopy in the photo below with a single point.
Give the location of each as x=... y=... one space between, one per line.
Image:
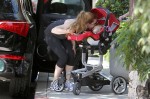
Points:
x=106 y=18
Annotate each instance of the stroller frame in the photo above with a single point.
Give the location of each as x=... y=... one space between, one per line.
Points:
x=88 y=68
x=90 y=75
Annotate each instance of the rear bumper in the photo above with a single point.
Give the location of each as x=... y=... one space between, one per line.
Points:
x=8 y=73
x=13 y=68
x=6 y=76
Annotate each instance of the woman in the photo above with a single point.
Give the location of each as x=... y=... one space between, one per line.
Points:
x=56 y=38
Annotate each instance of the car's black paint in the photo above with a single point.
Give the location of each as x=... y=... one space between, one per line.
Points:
x=23 y=50
x=18 y=36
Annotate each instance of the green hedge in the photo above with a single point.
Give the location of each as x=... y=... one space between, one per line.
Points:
x=118 y=7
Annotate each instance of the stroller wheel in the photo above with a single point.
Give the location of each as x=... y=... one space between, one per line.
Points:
x=119 y=85
x=58 y=85
x=76 y=88
x=97 y=86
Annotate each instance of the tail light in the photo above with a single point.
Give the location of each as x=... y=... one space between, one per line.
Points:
x=18 y=27
x=13 y=57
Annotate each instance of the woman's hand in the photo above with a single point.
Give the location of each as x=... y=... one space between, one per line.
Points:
x=69 y=36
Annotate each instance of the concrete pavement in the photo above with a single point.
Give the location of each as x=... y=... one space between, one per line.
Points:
x=43 y=92
x=86 y=93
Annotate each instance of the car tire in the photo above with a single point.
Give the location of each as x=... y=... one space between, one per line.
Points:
x=19 y=87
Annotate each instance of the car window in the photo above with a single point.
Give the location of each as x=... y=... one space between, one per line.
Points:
x=28 y=6
x=8 y=6
x=34 y=5
x=67 y=7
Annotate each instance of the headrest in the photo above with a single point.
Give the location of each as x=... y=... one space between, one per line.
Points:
x=58 y=7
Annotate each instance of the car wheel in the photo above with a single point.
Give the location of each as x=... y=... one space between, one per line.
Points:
x=19 y=87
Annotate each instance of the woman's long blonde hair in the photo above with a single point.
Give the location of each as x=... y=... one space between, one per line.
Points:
x=82 y=19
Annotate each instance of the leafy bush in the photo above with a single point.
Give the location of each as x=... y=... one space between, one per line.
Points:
x=118 y=7
x=134 y=40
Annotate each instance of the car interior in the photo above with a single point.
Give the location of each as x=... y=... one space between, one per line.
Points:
x=46 y=13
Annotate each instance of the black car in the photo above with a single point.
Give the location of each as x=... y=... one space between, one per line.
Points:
x=48 y=12
x=23 y=51
x=17 y=43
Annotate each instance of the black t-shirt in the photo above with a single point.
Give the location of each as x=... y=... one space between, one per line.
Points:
x=52 y=25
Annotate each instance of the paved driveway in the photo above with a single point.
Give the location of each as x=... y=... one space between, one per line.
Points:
x=105 y=93
x=42 y=92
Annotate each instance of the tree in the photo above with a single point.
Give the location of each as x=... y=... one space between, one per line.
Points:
x=134 y=45
x=118 y=7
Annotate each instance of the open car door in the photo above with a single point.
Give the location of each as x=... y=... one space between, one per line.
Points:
x=47 y=12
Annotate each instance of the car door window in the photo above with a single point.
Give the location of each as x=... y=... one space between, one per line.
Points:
x=8 y=6
x=28 y=6
x=34 y=5
x=66 y=7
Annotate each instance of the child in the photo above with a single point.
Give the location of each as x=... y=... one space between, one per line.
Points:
x=95 y=34
x=96 y=29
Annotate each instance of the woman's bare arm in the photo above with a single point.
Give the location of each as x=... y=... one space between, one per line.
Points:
x=64 y=28
x=60 y=30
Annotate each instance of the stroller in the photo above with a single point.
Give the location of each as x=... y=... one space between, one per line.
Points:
x=118 y=72
x=91 y=75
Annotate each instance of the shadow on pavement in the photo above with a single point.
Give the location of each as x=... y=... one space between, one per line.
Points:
x=4 y=91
